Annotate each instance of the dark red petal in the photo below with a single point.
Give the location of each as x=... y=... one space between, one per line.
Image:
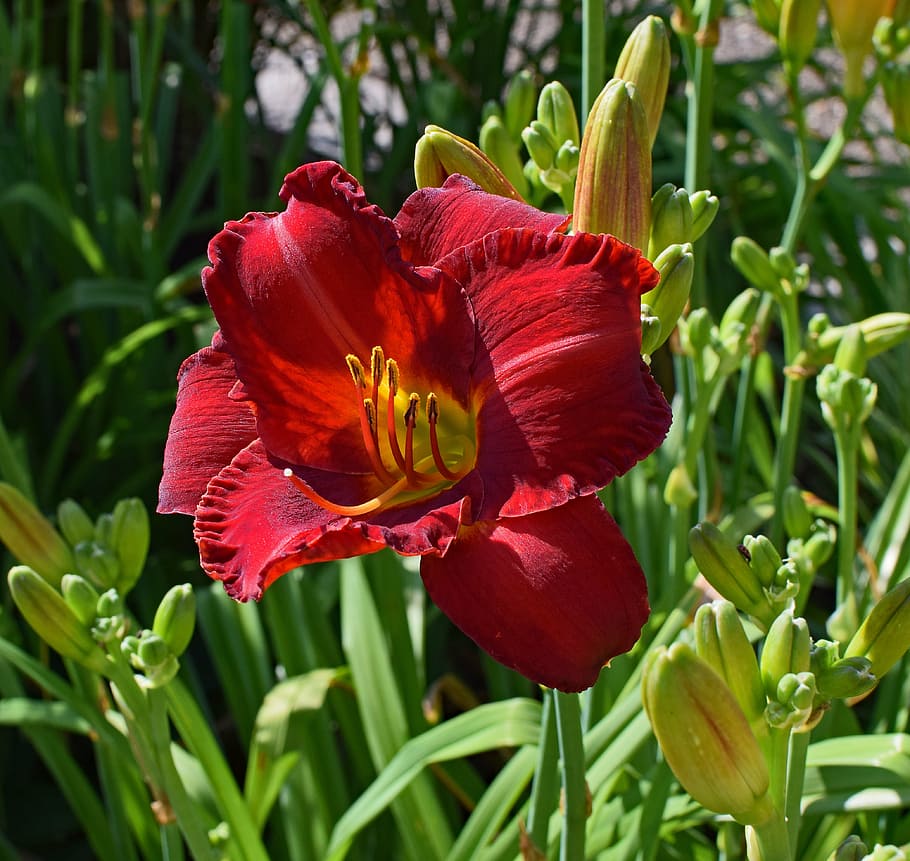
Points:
x=564 y=401
x=554 y=595
x=295 y=292
x=207 y=428
x=253 y=525
x=435 y=221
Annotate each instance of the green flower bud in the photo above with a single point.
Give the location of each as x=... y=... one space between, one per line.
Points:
x=668 y=299
x=840 y=678
x=698 y=329
x=52 y=618
x=786 y=650
x=705 y=736
x=754 y=265
x=541 y=144
x=896 y=86
x=798 y=28
x=782 y=262
x=851 y=352
x=852 y=849
x=439 y=154
x=796 y=516
x=650 y=331
x=645 y=62
x=154 y=659
x=884 y=636
x=679 y=490
x=738 y=319
x=721 y=642
x=853 y=23
x=613 y=191
x=881 y=332
x=521 y=97
x=74 y=523
x=767 y=12
x=886 y=853
x=556 y=111
x=96 y=563
x=704 y=208
x=110 y=604
x=496 y=143
x=820 y=544
x=130 y=541
x=844 y=397
x=175 y=618
x=152 y=650
x=723 y=565
x=104 y=527
x=792 y=705
x=671 y=219
x=130 y=647
x=763 y=558
x=567 y=159
x=30 y=537
x=81 y=597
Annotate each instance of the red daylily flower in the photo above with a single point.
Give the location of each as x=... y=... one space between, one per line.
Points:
x=297 y=438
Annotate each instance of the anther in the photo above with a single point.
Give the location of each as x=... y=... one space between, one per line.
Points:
x=356 y=370
x=371 y=414
x=391 y=430
x=432 y=416
x=410 y=420
x=377 y=362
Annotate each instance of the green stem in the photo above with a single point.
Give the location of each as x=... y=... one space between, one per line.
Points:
x=769 y=841
x=592 y=53
x=796 y=774
x=575 y=790
x=846 y=442
x=545 y=789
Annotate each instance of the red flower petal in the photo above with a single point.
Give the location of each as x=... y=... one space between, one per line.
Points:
x=252 y=525
x=555 y=595
x=564 y=401
x=295 y=292
x=435 y=221
x=207 y=428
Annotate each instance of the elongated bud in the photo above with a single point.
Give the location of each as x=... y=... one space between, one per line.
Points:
x=764 y=560
x=439 y=154
x=881 y=332
x=798 y=29
x=671 y=219
x=786 y=650
x=840 y=678
x=851 y=352
x=97 y=563
x=853 y=23
x=668 y=299
x=176 y=618
x=556 y=110
x=52 y=619
x=81 y=597
x=30 y=536
x=74 y=523
x=896 y=86
x=502 y=151
x=796 y=516
x=705 y=736
x=645 y=62
x=884 y=636
x=521 y=97
x=130 y=541
x=740 y=315
x=613 y=191
x=650 y=331
x=541 y=144
x=754 y=265
x=723 y=565
x=704 y=209
x=721 y=641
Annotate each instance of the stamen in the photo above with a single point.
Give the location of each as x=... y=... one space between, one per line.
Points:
x=377 y=361
x=410 y=420
x=367 y=507
x=392 y=369
x=356 y=370
x=367 y=412
x=432 y=416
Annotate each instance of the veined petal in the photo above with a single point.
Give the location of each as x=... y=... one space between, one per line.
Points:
x=295 y=292
x=554 y=595
x=564 y=401
x=207 y=429
x=253 y=525
x=436 y=221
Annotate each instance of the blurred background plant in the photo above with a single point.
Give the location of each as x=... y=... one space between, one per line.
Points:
x=130 y=132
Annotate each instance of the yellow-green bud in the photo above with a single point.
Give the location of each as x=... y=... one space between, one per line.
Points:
x=740 y=315
x=96 y=563
x=110 y=604
x=791 y=707
x=704 y=208
x=851 y=352
x=853 y=23
x=699 y=329
x=154 y=660
x=521 y=97
x=819 y=546
x=104 y=527
x=541 y=144
x=439 y=154
x=764 y=560
x=499 y=146
x=840 y=678
x=705 y=736
x=679 y=490
x=754 y=264
x=888 y=852
x=896 y=85
x=645 y=62
x=130 y=541
x=721 y=641
x=881 y=332
x=796 y=515
x=613 y=191
x=175 y=618
x=52 y=619
x=668 y=299
x=798 y=28
x=884 y=636
x=723 y=565
x=844 y=397
x=74 y=523
x=852 y=849
x=785 y=650
x=30 y=536
x=767 y=12
x=556 y=111
x=650 y=331
x=671 y=219
x=81 y=597
x=152 y=651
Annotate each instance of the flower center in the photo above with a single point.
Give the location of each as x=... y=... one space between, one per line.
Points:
x=417 y=460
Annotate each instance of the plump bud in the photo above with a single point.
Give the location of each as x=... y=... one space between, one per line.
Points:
x=645 y=62
x=499 y=146
x=671 y=219
x=175 y=618
x=786 y=650
x=679 y=491
x=840 y=678
x=30 y=536
x=556 y=111
x=521 y=97
x=853 y=23
x=613 y=191
x=81 y=597
x=52 y=619
x=754 y=265
x=851 y=352
x=740 y=315
x=704 y=209
x=97 y=563
x=650 y=331
x=852 y=849
x=723 y=565
x=796 y=515
x=698 y=330
x=819 y=546
x=668 y=299
x=74 y=523
x=881 y=332
x=439 y=154
x=541 y=145
x=798 y=29
x=792 y=704
x=884 y=636
x=721 y=641
x=845 y=398
x=154 y=659
x=130 y=537
x=764 y=560
x=705 y=736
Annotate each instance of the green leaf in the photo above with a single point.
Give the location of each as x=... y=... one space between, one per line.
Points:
x=22 y=711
